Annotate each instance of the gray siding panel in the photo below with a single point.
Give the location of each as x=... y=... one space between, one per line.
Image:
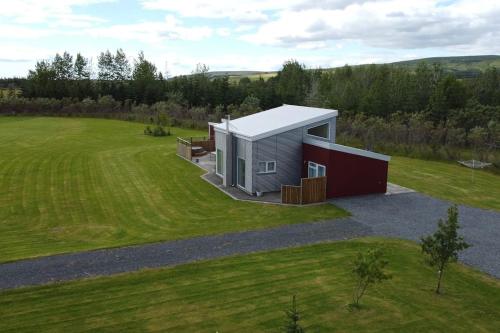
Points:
x=286 y=150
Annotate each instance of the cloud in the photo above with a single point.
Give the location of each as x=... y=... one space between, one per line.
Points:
x=243 y=11
x=223 y=32
x=153 y=32
x=385 y=24
x=55 y=12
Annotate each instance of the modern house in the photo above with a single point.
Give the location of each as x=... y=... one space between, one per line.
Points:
x=261 y=152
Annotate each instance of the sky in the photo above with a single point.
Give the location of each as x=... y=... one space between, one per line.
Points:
x=246 y=34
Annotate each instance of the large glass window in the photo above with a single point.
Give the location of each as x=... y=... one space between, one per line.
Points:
x=241 y=172
x=315 y=170
x=219 y=168
x=322 y=131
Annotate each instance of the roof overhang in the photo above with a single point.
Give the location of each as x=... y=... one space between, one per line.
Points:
x=221 y=127
x=347 y=149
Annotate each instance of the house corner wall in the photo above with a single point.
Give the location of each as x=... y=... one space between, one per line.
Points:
x=348 y=174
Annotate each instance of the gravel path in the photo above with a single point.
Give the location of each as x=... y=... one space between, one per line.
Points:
x=112 y=261
x=413 y=215
x=408 y=216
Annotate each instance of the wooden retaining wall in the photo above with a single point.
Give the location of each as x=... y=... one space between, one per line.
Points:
x=311 y=190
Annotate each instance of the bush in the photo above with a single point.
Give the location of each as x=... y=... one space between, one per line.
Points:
x=157 y=131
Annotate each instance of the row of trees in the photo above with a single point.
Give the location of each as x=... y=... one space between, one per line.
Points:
x=415 y=136
x=374 y=90
x=424 y=112
x=68 y=77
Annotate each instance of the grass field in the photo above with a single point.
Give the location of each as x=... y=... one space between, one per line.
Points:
x=250 y=293
x=71 y=184
x=448 y=181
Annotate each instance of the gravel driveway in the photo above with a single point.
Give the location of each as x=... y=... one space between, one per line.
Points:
x=413 y=215
x=408 y=216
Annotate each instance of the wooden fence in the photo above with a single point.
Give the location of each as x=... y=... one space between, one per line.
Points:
x=311 y=190
x=185 y=145
x=291 y=194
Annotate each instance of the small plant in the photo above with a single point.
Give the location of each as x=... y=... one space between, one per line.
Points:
x=369 y=269
x=148 y=131
x=292 y=319
x=443 y=246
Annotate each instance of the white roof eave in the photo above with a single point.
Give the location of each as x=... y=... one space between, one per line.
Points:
x=347 y=149
x=278 y=130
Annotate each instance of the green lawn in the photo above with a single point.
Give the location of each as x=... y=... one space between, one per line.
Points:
x=448 y=181
x=69 y=184
x=249 y=294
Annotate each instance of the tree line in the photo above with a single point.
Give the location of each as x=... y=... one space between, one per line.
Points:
x=382 y=106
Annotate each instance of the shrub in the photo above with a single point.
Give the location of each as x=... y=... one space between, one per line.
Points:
x=157 y=131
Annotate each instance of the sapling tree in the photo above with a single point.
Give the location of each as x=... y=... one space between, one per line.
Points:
x=292 y=319
x=443 y=246
x=369 y=269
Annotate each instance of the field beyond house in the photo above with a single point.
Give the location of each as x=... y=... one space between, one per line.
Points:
x=447 y=180
x=70 y=184
x=250 y=293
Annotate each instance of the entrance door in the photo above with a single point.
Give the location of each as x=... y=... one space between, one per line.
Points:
x=315 y=170
x=241 y=172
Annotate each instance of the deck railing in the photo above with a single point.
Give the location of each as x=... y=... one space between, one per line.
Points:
x=185 y=146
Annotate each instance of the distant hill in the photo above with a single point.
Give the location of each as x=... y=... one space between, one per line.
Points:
x=461 y=67
x=237 y=75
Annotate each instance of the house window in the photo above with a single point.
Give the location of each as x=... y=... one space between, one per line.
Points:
x=321 y=131
x=267 y=166
x=219 y=165
x=315 y=170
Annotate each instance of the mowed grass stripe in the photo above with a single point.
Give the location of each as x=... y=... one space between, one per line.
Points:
x=447 y=180
x=249 y=293
x=73 y=184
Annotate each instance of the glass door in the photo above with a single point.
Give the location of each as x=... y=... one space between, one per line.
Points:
x=241 y=172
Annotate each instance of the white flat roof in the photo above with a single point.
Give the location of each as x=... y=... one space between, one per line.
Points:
x=347 y=149
x=274 y=121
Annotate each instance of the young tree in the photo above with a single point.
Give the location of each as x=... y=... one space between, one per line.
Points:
x=250 y=105
x=63 y=66
x=81 y=68
x=443 y=246
x=293 y=83
x=369 y=269
x=105 y=65
x=42 y=80
x=121 y=66
x=292 y=319
x=146 y=85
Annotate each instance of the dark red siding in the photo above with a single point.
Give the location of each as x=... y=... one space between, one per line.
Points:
x=211 y=132
x=347 y=174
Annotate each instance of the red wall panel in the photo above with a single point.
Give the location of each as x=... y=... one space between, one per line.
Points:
x=211 y=132
x=347 y=174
